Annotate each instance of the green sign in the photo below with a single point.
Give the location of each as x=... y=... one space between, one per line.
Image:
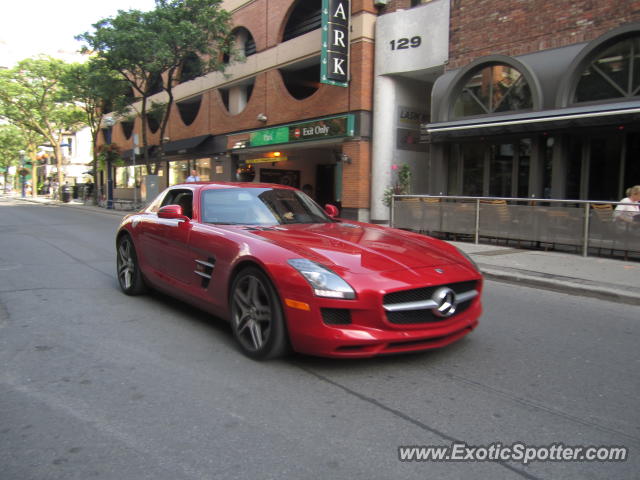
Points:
x=269 y=136
x=328 y=128
x=334 y=54
x=331 y=127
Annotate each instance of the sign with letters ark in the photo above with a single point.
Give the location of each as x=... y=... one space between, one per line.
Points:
x=334 y=61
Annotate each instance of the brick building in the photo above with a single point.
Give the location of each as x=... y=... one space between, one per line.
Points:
x=477 y=97
x=269 y=115
x=529 y=98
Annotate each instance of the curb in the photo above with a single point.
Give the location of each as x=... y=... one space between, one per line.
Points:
x=77 y=206
x=576 y=286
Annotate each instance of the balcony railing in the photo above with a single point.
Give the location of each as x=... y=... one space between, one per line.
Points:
x=589 y=227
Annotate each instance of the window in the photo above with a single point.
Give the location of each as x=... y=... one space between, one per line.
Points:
x=302 y=79
x=236 y=97
x=178 y=171
x=203 y=167
x=243 y=44
x=493 y=89
x=615 y=73
x=189 y=109
x=260 y=206
x=156 y=84
x=191 y=68
x=305 y=17
x=69 y=142
x=127 y=128
x=153 y=122
x=129 y=177
x=184 y=198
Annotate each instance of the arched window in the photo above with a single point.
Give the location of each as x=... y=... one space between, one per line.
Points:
x=191 y=68
x=305 y=17
x=237 y=96
x=155 y=83
x=495 y=88
x=302 y=79
x=127 y=128
x=614 y=72
x=189 y=109
x=243 y=44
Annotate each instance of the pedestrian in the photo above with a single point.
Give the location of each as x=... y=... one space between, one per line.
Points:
x=308 y=189
x=193 y=177
x=54 y=189
x=629 y=209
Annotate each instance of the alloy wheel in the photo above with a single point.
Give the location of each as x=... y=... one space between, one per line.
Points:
x=252 y=313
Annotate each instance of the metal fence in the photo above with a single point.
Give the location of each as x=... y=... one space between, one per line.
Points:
x=587 y=226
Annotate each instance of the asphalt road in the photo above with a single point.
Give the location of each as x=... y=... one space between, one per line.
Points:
x=95 y=384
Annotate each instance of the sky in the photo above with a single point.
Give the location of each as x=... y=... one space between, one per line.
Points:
x=32 y=27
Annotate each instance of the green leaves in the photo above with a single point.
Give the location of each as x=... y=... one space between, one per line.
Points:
x=147 y=47
x=11 y=142
x=33 y=97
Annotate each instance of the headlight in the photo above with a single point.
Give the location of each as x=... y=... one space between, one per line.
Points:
x=324 y=282
x=471 y=261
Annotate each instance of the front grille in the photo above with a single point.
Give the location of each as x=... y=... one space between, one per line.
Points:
x=426 y=293
x=336 y=316
x=423 y=316
x=421 y=294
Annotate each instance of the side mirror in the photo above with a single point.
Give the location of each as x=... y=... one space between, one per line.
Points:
x=172 y=212
x=331 y=210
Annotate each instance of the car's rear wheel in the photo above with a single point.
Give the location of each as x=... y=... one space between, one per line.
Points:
x=256 y=315
x=129 y=274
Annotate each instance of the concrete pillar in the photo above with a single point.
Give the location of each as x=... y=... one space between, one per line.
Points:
x=559 y=168
x=536 y=167
x=384 y=130
x=438 y=170
x=237 y=99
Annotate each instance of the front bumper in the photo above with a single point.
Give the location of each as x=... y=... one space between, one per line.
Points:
x=369 y=332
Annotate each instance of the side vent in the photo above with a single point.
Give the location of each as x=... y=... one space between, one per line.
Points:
x=204 y=269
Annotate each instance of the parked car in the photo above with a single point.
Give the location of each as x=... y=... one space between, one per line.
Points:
x=289 y=275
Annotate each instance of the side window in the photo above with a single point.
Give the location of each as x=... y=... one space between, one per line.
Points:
x=184 y=198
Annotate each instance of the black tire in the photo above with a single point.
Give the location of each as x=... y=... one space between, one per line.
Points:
x=257 y=320
x=128 y=270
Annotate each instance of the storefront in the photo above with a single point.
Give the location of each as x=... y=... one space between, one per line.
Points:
x=307 y=155
x=561 y=123
x=205 y=154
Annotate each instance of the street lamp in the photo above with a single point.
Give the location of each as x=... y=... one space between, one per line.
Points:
x=23 y=174
x=109 y=122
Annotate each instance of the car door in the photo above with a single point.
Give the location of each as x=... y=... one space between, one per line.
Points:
x=174 y=254
x=149 y=239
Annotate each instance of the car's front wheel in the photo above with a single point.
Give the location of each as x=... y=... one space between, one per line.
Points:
x=129 y=274
x=256 y=315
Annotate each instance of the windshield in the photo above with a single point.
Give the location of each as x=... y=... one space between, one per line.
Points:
x=260 y=206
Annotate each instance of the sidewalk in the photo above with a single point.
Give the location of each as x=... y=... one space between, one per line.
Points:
x=45 y=200
x=604 y=278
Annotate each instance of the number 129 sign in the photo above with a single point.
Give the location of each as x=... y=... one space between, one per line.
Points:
x=406 y=43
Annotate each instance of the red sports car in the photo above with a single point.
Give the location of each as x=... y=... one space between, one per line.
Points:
x=288 y=274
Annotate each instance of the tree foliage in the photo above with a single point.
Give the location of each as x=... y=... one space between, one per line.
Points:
x=11 y=143
x=145 y=46
x=33 y=98
x=97 y=90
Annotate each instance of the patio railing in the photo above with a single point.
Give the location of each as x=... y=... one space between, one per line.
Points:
x=587 y=226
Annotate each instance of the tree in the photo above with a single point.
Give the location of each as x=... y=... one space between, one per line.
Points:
x=12 y=142
x=149 y=49
x=97 y=90
x=32 y=97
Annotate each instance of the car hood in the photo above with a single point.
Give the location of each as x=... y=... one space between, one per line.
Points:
x=356 y=247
